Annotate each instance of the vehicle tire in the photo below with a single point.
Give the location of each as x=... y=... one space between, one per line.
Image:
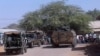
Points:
x=22 y=51
x=74 y=42
x=25 y=50
x=7 y=51
x=31 y=45
x=54 y=44
x=39 y=44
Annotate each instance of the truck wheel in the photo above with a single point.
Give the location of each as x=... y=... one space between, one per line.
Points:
x=25 y=50
x=22 y=51
x=39 y=44
x=53 y=44
x=73 y=46
x=74 y=42
x=7 y=51
x=31 y=45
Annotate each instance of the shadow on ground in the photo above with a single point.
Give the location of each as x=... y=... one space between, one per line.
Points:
x=90 y=50
x=93 y=50
x=78 y=48
x=2 y=54
x=61 y=46
x=10 y=54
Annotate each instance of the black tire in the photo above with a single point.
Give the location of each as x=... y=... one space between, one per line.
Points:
x=73 y=46
x=31 y=45
x=22 y=51
x=7 y=51
x=39 y=44
x=25 y=50
x=54 y=44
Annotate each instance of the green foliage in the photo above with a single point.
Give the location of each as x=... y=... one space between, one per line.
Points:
x=54 y=15
x=80 y=22
x=94 y=13
x=31 y=21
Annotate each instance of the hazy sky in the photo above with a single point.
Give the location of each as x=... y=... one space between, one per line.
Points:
x=11 y=11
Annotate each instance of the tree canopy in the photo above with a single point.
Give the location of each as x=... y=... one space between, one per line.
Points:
x=95 y=14
x=54 y=15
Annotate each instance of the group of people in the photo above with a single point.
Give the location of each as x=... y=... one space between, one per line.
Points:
x=46 y=39
x=88 y=38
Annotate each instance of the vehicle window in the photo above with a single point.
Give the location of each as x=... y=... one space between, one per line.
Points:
x=13 y=37
x=30 y=35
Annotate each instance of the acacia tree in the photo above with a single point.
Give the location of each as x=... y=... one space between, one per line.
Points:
x=31 y=21
x=57 y=14
x=80 y=23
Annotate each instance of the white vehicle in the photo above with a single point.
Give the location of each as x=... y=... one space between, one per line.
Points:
x=2 y=31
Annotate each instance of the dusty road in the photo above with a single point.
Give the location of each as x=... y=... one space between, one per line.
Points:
x=47 y=50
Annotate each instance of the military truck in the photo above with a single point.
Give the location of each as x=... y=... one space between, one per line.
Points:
x=33 y=38
x=14 y=42
x=30 y=39
x=63 y=37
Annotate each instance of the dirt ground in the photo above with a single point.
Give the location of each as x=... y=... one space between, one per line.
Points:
x=93 y=50
x=2 y=49
x=48 y=50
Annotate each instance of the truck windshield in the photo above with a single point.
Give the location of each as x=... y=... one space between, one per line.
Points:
x=30 y=35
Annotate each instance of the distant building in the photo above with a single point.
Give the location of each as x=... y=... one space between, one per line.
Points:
x=6 y=30
x=95 y=26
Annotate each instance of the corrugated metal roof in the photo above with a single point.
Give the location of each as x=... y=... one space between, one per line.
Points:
x=96 y=30
x=95 y=25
